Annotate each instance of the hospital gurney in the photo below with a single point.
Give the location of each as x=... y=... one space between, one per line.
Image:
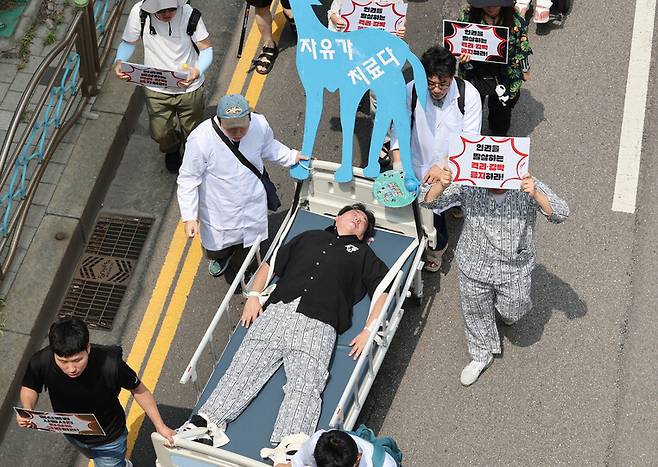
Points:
x=399 y=241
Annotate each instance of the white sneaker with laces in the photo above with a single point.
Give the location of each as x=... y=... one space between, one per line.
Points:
x=472 y=371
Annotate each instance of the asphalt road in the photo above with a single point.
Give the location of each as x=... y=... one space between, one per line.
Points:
x=576 y=383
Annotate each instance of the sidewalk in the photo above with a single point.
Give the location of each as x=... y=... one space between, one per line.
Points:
x=66 y=205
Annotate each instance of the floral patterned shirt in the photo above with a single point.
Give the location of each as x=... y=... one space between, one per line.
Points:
x=518 y=49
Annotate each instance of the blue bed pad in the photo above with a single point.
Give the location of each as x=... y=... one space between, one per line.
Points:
x=252 y=429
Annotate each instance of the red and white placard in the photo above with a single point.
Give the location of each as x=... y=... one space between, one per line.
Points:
x=488 y=161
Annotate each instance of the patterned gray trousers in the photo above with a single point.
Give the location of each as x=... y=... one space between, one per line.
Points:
x=481 y=300
x=279 y=335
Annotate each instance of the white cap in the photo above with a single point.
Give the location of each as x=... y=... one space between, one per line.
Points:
x=153 y=6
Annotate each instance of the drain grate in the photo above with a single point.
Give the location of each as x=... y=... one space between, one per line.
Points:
x=102 y=276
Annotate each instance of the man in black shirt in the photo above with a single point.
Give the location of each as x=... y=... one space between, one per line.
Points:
x=85 y=378
x=322 y=275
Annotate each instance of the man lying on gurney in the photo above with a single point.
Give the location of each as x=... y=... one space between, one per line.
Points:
x=322 y=275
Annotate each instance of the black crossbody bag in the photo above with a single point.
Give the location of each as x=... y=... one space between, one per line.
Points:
x=273 y=201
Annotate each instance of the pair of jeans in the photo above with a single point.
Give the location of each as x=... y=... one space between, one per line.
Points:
x=112 y=454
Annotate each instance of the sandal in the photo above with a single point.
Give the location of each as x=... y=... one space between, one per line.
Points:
x=431 y=265
x=433 y=260
x=265 y=60
x=541 y=15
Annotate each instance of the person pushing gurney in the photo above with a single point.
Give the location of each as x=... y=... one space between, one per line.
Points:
x=322 y=275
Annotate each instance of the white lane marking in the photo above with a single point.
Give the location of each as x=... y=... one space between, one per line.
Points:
x=632 y=126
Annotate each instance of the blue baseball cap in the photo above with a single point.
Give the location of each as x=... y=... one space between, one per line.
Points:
x=233 y=111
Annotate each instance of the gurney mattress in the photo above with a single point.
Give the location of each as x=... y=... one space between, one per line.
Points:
x=251 y=431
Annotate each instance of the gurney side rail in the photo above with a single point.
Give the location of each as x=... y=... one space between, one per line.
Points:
x=190 y=372
x=357 y=388
x=193 y=451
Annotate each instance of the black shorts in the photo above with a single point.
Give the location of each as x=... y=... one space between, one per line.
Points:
x=263 y=3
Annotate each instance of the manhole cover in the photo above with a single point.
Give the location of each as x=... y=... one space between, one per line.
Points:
x=103 y=273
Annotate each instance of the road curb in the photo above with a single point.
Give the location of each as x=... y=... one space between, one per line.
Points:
x=42 y=281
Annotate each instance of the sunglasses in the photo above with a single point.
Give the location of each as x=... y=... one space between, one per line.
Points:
x=167 y=10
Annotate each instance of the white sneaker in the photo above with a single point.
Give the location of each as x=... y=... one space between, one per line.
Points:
x=472 y=371
x=128 y=463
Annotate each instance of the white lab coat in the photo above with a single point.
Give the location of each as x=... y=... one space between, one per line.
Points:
x=433 y=126
x=215 y=188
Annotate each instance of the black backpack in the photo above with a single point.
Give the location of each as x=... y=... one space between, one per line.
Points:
x=191 y=25
x=109 y=367
x=461 y=87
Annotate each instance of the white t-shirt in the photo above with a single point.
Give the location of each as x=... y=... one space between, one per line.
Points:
x=304 y=457
x=170 y=47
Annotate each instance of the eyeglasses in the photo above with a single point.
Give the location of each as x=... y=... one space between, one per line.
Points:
x=441 y=84
x=167 y=10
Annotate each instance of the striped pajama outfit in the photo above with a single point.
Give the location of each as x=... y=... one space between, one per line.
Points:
x=480 y=301
x=496 y=256
x=280 y=335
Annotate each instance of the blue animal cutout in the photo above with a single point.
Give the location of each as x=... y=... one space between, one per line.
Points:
x=353 y=63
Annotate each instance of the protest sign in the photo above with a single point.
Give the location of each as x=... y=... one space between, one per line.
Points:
x=379 y=15
x=483 y=43
x=488 y=161
x=66 y=423
x=146 y=76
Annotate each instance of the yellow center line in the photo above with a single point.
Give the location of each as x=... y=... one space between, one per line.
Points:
x=156 y=303
x=258 y=81
x=166 y=335
x=155 y=306
x=192 y=260
x=248 y=52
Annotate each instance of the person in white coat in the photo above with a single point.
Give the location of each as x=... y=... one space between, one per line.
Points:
x=455 y=107
x=219 y=197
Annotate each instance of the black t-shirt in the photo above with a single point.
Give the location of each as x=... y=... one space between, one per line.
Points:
x=331 y=273
x=94 y=391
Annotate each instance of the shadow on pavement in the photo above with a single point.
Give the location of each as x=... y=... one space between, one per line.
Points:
x=409 y=332
x=527 y=114
x=397 y=359
x=549 y=293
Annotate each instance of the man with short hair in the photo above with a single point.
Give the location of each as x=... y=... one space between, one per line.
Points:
x=221 y=198
x=336 y=448
x=175 y=38
x=454 y=107
x=86 y=378
x=322 y=275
